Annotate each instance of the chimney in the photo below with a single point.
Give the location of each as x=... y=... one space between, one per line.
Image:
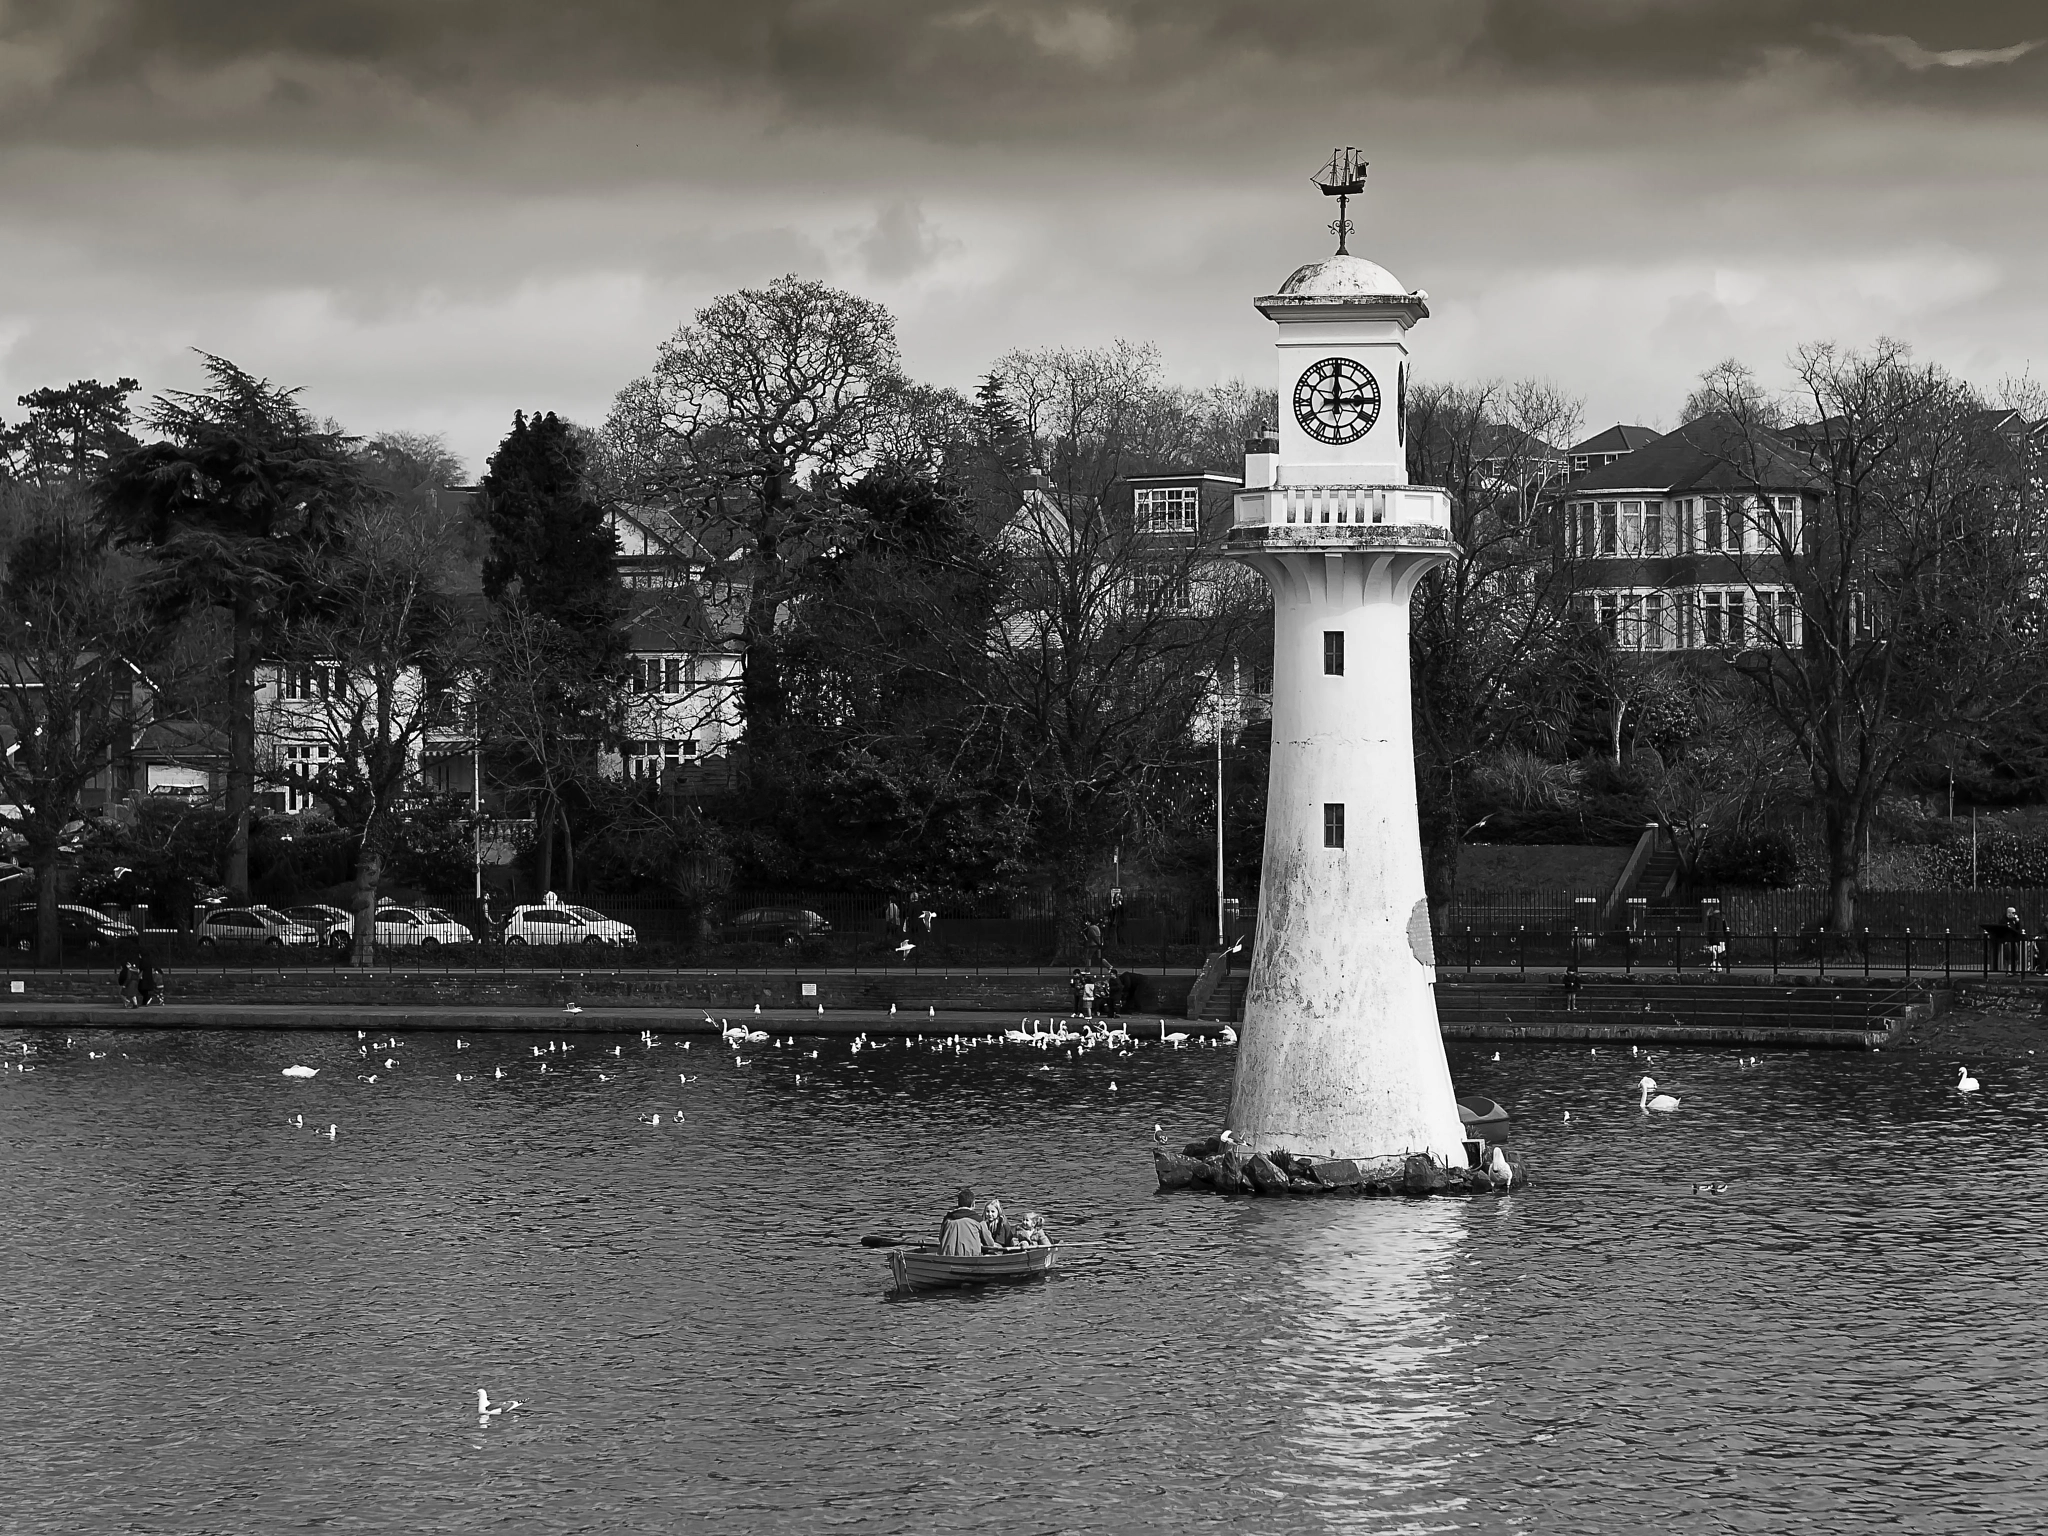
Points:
x=1261 y=459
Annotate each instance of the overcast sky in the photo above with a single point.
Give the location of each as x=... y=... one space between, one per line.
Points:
x=432 y=212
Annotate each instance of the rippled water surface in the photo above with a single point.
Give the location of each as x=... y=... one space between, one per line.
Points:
x=215 y=1321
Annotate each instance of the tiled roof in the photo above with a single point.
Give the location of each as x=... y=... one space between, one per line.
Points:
x=1617 y=439
x=1711 y=454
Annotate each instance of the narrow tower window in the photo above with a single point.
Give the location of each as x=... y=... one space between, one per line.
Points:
x=1333 y=826
x=1333 y=652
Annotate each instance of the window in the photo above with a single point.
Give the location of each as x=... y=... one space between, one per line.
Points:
x=1710 y=530
x=1655 y=636
x=1710 y=619
x=319 y=680
x=1778 y=616
x=1607 y=527
x=690 y=746
x=672 y=674
x=1738 y=629
x=1169 y=509
x=1580 y=463
x=303 y=762
x=1333 y=826
x=1606 y=612
x=1333 y=653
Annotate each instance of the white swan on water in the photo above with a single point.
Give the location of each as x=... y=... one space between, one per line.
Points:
x=1227 y=1035
x=1966 y=1083
x=487 y=1409
x=301 y=1071
x=1660 y=1101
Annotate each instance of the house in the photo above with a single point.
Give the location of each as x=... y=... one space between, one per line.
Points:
x=686 y=605
x=1604 y=448
x=1677 y=544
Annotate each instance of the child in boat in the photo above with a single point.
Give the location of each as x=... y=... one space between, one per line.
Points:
x=1033 y=1235
x=999 y=1228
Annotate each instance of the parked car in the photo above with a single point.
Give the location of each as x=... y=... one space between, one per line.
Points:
x=76 y=925
x=566 y=925
x=337 y=925
x=775 y=925
x=254 y=925
x=420 y=928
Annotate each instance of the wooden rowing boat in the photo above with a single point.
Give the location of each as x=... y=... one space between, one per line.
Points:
x=916 y=1268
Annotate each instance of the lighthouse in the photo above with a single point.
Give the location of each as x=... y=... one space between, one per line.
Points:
x=1341 y=1054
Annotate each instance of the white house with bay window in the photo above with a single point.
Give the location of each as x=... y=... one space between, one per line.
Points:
x=1674 y=546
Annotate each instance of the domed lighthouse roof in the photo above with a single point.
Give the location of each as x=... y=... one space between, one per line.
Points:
x=1343 y=276
x=1349 y=283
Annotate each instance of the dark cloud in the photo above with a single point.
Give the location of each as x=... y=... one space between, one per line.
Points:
x=961 y=64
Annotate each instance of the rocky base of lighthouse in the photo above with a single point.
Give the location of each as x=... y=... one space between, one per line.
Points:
x=1235 y=1171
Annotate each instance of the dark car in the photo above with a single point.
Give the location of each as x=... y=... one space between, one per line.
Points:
x=76 y=925
x=775 y=925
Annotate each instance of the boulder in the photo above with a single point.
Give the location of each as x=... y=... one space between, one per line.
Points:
x=1331 y=1172
x=1227 y=1173
x=1174 y=1172
x=1422 y=1175
x=1199 y=1148
x=1265 y=1177
x=1297 y=1185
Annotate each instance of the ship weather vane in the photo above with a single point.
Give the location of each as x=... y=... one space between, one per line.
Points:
x=1343 y=178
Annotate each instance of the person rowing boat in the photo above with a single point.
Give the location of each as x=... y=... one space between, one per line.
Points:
x=963 y=1234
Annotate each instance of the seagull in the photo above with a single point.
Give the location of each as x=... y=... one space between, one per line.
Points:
x=95 y=1055
x=370 y=1079
x=1159 y=1134
x=905 y=947
x=460 y=1078
x=330 y=1133
x=301 y=1071
x=296 y=1120
x=1966 y=1083
x=1112 y=1087
x=390 y=1061
x=743 y=1061
x=650 y=1119
x=500 y=1072
x=1662 y=1102
x=1710 y=1189
x=461 y=1044
x=1496 y=1055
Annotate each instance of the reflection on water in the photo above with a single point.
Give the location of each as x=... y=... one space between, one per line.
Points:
x=217 y=1321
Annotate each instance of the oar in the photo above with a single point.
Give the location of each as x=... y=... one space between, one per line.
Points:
x=884 y=1240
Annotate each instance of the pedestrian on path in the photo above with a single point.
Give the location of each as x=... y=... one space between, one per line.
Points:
x=1572 y=982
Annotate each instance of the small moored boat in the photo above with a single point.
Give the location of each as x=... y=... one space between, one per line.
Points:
x=917 y=1268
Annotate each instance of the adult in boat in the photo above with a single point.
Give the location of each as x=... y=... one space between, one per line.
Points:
x=962 y=1233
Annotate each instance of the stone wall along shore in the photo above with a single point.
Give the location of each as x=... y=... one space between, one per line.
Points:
x=1230 y=1170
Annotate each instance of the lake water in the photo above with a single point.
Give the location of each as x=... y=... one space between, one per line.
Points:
x=215 y=1321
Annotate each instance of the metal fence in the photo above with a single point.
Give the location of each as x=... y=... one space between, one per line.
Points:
x=1713 y=948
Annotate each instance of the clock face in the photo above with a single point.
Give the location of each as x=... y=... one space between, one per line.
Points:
x=1336 y=400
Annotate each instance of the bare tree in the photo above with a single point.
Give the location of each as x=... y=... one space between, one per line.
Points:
x=72 y=644
x=1483 y=624
x=1908 y=555
x=752 y=416
x=379 y=644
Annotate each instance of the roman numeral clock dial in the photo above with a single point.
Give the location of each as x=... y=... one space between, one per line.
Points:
x=1336 y=400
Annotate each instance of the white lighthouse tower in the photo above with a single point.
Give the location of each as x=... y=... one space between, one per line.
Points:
x=1341 y=1053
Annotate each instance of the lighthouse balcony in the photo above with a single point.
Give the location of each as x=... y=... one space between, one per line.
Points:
x=1317 y=513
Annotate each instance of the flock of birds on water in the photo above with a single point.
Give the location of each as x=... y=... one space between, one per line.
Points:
x=1060 y=1034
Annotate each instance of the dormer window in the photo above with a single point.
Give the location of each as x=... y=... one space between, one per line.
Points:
x=1168 y=509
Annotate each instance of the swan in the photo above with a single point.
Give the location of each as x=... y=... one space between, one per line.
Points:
x=650 y=1119
x=390 y=1061
x=296 y=1071
x=571 y=1008
x=1966 y=1083
x=1177 y=1039
x=1501 y=1168
x=757 y=1036
x=1661 y=1101
x=461 y=1044
x=460 y=1078
x=296 y=1120
x=499 y=1073
x=330 y=1133
x=95 y=1055
x=1112 y=1087
x=1496 y=1055
x=1227 y=1035
x=487 y=1409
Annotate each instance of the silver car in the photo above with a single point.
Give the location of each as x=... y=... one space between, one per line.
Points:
x=254 y=925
